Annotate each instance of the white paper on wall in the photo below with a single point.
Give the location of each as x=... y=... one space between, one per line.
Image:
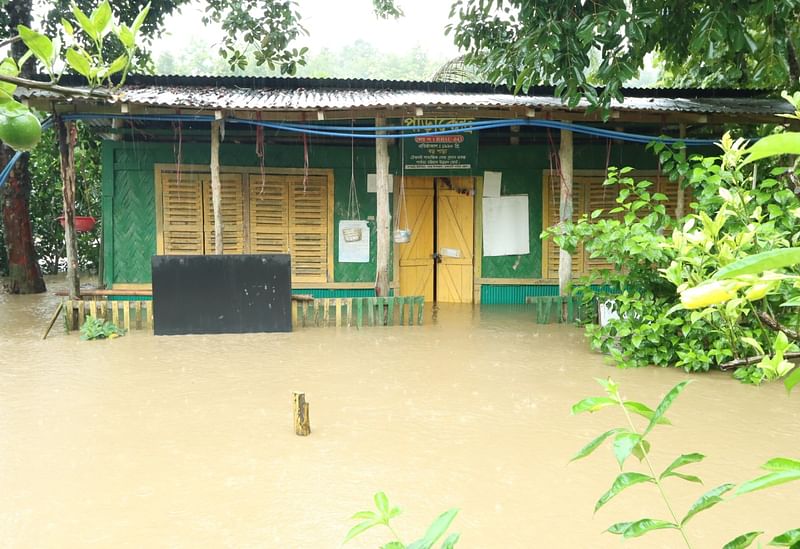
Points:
x=372 y=183
x=491 y=183
x=505 y=226
x=353 y=241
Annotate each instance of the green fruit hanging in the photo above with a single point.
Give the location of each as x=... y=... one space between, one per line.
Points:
x=19 y=128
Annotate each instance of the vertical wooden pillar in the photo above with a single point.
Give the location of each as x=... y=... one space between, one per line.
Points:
x=565 y=209
x=302 y=422
x=216 y=188
x=382 y=214
x=679 y=205
x=66 y=149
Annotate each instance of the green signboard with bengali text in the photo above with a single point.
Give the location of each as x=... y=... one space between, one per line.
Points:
x=447 y=154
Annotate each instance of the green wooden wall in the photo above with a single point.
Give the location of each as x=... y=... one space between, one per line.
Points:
x=129 y=202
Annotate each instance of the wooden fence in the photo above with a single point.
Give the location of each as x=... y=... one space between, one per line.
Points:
x=345 y=312
x=551 y=309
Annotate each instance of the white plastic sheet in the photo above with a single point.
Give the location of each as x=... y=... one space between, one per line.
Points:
x=491 y=183
x=353 y=251
x=506 y=226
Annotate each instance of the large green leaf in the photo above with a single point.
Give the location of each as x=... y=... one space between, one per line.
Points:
x=787 y=539
x=643 y=410
x=684 y=459
x=792 y=379
x=740 y=542
x=758 y=263
x=8 y=67
x=39 y=44
x=382 y=503
x=767 y=481
x=623 y=445
x=781 y=464
x=450 y=541
x=101 y=18
x=592 y=404
x=79 y=62
x=707 y=500
x=594 y=444
x=137 y=23
x=774 y=145
x=623 y=481
x=438 y=528
x=639 y=527
x=84 y=22
x=666 y=402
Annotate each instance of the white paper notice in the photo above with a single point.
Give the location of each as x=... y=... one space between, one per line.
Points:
x=372 y=183
x=491 y=183
x=353 y=241
x=505 y=226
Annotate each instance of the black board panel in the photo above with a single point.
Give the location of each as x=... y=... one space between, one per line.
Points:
x=221 y=294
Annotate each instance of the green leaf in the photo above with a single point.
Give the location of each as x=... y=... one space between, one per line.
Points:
x=707 y=500
x=592 y=404
x=792 y=379
x=666 y=402
x=684 y=459
x=125 y=35
x=369 y=515
x=764 y=261
x=624 y=443
x=787 y=539
x=360 y=528
x=644 y=411
x=137 y=23
x=450 y=541
x=439 y=527
x=640 y=527
x=101 y=18
x=393 y=545
x=782 y=464
x=623 y=481
x=740 y=542
x=84 y=22
x=68 y=29
x=767 y=481
x=39 y=44
x=773 y=145
x=79 y=61
x=594 y=444
x=8 y=67
x=119 y=64
x=793 y=302
x=382 y=503
x=641 y=449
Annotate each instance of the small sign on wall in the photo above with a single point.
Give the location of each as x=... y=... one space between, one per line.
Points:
x=372 y=183
x=491 y=183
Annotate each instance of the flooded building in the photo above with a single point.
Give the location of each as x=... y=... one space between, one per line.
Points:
x=475 y=173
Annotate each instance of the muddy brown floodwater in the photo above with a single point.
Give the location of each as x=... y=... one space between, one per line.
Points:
x=187 y=441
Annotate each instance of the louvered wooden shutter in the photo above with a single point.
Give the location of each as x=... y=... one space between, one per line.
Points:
x=308 y=228
x=553 y=205
x=269 y=214
x=233 y=237
x=599 y=197
x=182 y=214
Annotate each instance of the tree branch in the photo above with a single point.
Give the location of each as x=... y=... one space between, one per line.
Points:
x=773 y=324
x=49 y=86
x=738 y=363
x=9 y=41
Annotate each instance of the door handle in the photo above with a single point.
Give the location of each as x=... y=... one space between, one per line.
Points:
x=437 y=257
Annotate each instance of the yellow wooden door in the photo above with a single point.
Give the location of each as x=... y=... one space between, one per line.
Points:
x=416 y=256
x=455 y=241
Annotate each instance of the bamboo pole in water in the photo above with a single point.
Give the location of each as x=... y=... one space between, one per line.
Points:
x=302 y=422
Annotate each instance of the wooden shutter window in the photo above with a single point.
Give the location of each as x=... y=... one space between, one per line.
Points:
x=269 y=214
x=182 y=214
x=308 y=228
x=233 y=237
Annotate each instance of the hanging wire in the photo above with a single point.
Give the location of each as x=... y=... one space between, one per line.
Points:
x=305 y=162
x=353 y=210
x=402 y=205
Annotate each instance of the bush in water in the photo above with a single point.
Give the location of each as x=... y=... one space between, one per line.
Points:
x=95 y=328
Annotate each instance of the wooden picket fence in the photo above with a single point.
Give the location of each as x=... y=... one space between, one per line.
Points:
x=551 y=309
x=345 y=312
x=359 y=311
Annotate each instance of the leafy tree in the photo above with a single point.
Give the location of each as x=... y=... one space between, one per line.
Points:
x=523 y=43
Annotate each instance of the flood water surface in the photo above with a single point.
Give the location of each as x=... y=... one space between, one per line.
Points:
x=188 y=441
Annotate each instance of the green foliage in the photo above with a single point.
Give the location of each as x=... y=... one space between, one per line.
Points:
x=576 y=44
x=780 y=470
x=385 y=513
x=95 y=328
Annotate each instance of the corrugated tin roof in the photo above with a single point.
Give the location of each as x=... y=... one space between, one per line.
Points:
x=289 y=94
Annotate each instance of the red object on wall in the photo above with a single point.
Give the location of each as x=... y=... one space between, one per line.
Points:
x=83 y=224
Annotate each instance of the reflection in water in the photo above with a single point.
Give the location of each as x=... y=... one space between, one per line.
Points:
x=188 y=441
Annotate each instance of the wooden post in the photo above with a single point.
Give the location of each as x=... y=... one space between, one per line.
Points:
x=382 y=214
x=216 y=188
x=66 y=149
x=679 y=207
x=565 y=210
x=302 y=423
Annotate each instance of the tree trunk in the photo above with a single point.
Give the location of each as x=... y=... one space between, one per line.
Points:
x=382 y=214
x=565 y=208
x=66 y=149
x=25 y=276
x=216 y=188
